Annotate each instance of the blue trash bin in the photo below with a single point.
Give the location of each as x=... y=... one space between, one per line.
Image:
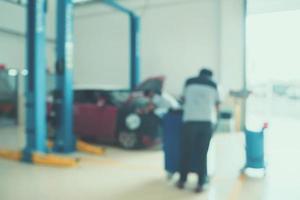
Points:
x=172 y=125
x=255 y=149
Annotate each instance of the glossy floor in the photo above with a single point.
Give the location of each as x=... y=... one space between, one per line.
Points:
x=130 y=175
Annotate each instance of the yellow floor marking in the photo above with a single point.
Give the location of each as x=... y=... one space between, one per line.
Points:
x=53 y=160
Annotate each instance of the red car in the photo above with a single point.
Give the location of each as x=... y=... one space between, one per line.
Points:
x=129 y=119
x=8 y=93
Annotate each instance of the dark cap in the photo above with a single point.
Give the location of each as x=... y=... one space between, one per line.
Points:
x=206 y=72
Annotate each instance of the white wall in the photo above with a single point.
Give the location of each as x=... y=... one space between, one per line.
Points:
x=232 y=44
x=101 y=50
x=12 y=47
x=177 y=38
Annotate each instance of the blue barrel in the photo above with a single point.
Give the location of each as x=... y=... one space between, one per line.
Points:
x=254 y=149
x=172 y=125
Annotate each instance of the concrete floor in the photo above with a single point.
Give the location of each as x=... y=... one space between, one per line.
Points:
x=129 y=175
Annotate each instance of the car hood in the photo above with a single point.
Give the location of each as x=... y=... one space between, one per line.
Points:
x=153 y=84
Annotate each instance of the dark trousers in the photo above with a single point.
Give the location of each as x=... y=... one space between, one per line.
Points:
x=195 y=139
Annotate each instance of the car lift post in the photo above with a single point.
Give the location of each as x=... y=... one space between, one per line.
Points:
x=35 y=83
x=134 y=51
x=65 y=141
x=134 y=21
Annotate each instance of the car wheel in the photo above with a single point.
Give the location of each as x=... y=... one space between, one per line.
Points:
x=133 y=121
x=128 y=140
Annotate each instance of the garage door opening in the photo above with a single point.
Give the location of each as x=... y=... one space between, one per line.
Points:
x=273 y=68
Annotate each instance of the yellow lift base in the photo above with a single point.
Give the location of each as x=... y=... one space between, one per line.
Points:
x=84 y=147
x=42 y=159
x=88 y=148
x=54 y=160
x=11 y=155
x=51 y=159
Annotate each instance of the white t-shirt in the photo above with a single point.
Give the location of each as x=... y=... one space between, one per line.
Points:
x=200 y=99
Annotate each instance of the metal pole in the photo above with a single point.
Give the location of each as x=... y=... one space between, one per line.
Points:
x=35 y=83
x=245 y=89
x=16 y=98
x=134 y=51
x=63 y=100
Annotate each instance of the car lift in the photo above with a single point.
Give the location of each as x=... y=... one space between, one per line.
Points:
x=63 y=103
x=36 y=126
x=35 y=83
x=65 y=141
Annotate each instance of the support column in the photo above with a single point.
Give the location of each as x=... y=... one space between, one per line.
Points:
x=134 y=51
x=244 y=58
x=232 y=54
x=36 y=79
x=65 y=139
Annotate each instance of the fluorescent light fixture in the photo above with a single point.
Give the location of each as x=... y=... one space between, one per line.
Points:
x=12 y=72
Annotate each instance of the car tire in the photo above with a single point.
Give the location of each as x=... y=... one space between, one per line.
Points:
x=128 y=140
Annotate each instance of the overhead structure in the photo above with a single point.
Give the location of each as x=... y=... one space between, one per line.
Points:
x=134 y=21
x=63 y=95
x=35 y=84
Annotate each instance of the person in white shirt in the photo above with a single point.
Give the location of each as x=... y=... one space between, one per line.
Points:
x=200 y=110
